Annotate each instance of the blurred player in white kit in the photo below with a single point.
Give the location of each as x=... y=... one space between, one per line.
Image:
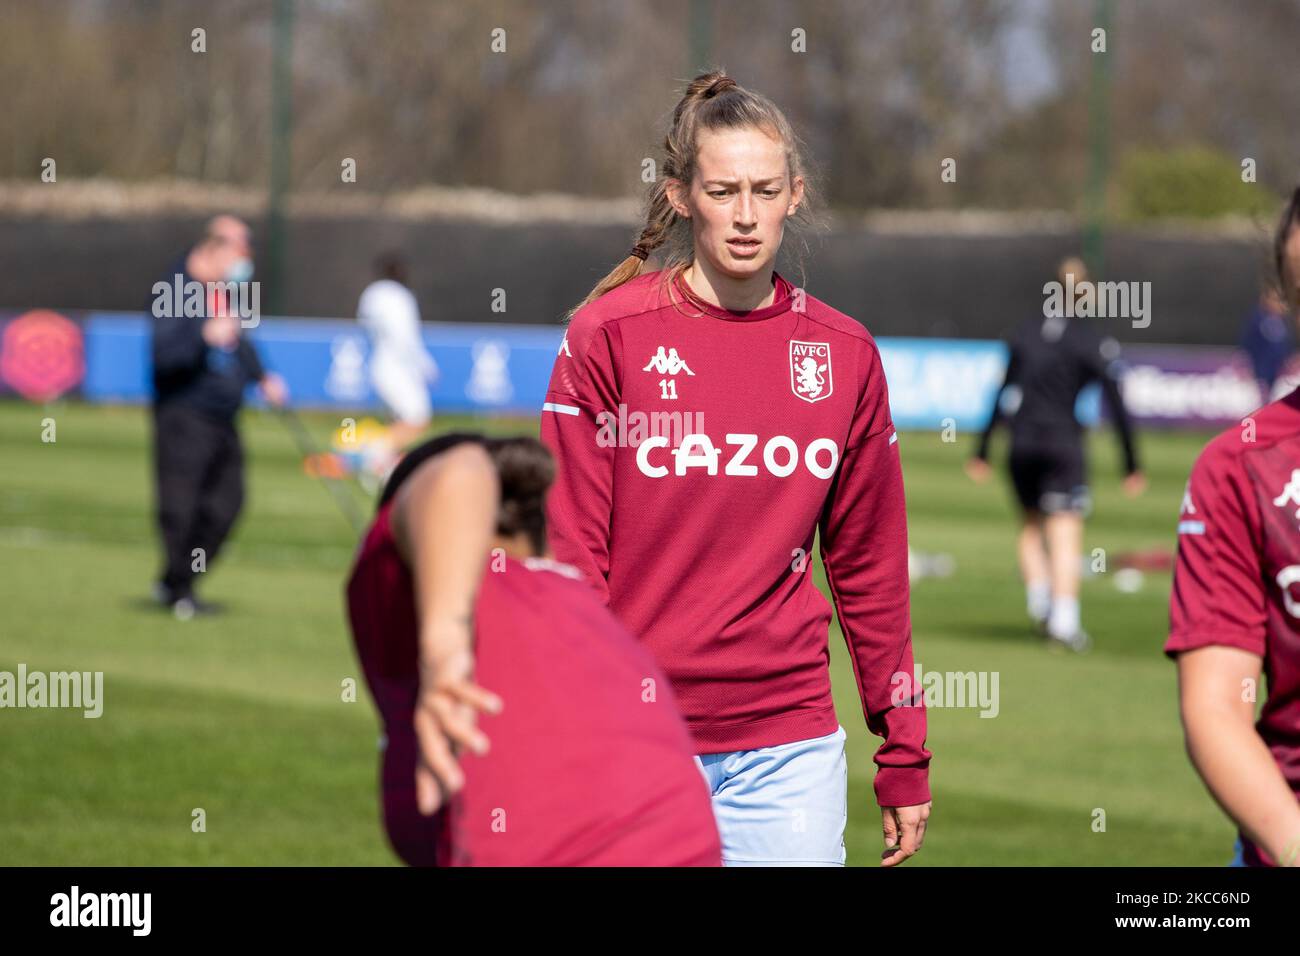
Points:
x=401 y=369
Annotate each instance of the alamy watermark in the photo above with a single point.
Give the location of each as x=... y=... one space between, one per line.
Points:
x=624 y=429
x=194 y=299
x=946 y=689
x=1102 y=300
x=133 y=911
x=77 y=690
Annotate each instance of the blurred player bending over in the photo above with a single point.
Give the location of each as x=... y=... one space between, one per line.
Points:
x=453 y=591
x=401 y=369
x=700 y=540
x=1052 y=360
x=1235 y=611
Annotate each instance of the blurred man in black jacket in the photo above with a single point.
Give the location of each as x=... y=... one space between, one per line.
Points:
x=202 y=364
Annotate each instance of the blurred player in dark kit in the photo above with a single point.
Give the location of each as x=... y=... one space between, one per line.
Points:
x=202 y=363
x=1052 y=360
x=1269 y=338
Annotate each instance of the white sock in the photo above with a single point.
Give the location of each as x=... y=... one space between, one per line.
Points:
x=1038 y=599
x=1063 y=622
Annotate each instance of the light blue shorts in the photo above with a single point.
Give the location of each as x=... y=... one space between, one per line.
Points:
x=781 y=806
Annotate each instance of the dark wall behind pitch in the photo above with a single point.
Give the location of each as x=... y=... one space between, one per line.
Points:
x=923 y=285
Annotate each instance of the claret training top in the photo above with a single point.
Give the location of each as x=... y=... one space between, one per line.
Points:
x=699 y=452
x=1237 y=580
x=590 y=763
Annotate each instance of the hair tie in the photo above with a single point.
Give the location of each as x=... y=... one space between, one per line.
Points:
x=640 y=252
x=719 y=86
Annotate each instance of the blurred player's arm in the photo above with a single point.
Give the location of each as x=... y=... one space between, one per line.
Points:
x=582 y=392
x=272 y=385
x=1218 y=623
x=1103 y=361
x=443 y=519
x=250 y=360
x=977 y=467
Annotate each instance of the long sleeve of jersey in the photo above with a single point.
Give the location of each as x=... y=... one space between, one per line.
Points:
x=864 y=551
x=250 y=360
x=584 y=383
x=982 y=449
x=1104 y=364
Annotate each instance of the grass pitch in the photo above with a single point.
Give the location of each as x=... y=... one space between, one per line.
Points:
x=242 y=715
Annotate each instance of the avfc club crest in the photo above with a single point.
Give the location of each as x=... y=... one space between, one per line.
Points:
x=810 y=370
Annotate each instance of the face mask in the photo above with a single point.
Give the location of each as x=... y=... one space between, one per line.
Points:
x=241 y=270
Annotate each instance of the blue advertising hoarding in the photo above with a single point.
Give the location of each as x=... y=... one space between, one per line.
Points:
x=486 y=368
x=933 y=383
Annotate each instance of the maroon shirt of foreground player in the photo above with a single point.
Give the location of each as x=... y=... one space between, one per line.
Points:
x=1237 y=580
x=587 y=767
x=705 y=551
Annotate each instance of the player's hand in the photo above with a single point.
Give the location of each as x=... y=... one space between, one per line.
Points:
x=978 y=470
x=445 y=712
x=274 y=390
x=904 y=829
x=221 y=331
x=1135 y=484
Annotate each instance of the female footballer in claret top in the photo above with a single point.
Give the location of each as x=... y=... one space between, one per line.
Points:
x=708 y=419
x=1235 y=611
x=458 y=609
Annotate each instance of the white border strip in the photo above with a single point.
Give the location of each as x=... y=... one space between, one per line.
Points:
x=561 y=409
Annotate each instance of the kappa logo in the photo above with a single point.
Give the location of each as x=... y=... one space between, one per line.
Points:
x=1290 y=492
x=669 y=363
x=810 y=370
x=1186 y=526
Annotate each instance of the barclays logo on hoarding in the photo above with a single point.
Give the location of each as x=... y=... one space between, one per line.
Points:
x=346 y=381
x=489 y=379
